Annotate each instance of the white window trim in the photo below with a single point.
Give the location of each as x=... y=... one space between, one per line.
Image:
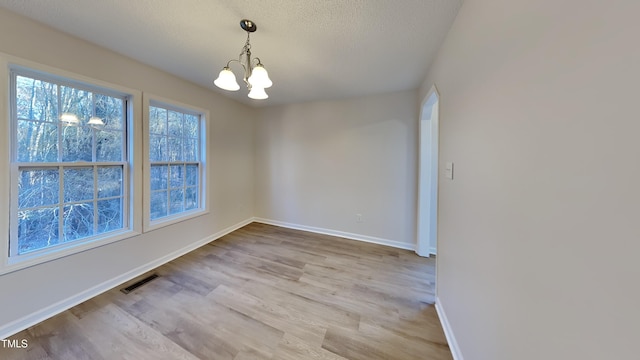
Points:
x=147 y=223
x=134 y=129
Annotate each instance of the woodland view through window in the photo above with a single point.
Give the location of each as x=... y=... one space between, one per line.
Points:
x=175 y=161
x=69 y=179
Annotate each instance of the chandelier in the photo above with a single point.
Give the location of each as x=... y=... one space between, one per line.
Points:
x=255 y=76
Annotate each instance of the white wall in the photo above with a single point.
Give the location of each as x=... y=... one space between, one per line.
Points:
x=319 y=164
x=538 y=233
x=25 y=292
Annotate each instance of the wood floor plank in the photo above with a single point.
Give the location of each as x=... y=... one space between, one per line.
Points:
x=129 y=338
x=375 y=343
x=62 y=338
x=252 y=354
x=423 y=325
x=345 y=299
x=293 y=348
x=260 y=292
x=304 y=309
x=272 y=314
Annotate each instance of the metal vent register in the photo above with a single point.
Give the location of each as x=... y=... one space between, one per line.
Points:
x=138 y=284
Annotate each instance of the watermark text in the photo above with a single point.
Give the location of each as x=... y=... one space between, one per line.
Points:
x=14 y=343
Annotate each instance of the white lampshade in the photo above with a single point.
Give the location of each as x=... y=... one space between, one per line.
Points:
x=96 y=123
x=258 y=93
x=259 y=77
x=69 y=119
x=227 y=80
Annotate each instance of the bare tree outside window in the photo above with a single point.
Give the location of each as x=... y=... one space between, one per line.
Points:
x=71 y=178
x=174 y=152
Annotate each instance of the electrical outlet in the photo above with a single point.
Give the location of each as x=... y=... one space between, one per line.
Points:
x=359 y=218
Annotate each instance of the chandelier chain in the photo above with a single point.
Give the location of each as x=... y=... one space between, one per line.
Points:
x=247 y=45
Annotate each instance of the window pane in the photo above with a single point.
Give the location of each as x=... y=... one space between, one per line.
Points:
x=38 y=188
x=77 y=102
x=192 y=175
x=190 y=150
x=37 y=141
x=108 y=145
x=179 y=144
x=177 y=176
x=109 y=109
x=175 y=123
x=109 y=181
x=63 y=202
x=177 y=201
x=159 y=176
x=158 y=204
x=157 y=121
x=158 y=148
x=191 y=128
x=78 y=184
x=78 y=221
x=37 y=229
x=175 y=149
x=77 y=143
x=191 y=198
x=36 y=99
x=109 y=215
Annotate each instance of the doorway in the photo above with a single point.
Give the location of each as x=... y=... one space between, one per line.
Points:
x=428 y=176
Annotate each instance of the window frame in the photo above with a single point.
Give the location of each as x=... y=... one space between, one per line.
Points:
x=203 y=186
x=10 y=67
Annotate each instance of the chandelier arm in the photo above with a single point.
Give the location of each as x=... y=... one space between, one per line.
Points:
x=257 y=58
x=232 y=60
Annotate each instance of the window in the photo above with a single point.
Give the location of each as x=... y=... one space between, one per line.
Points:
x=176 y=166
x=70 y=173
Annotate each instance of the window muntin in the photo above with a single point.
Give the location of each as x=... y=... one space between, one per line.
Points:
x=175 y=161
x=70 y=177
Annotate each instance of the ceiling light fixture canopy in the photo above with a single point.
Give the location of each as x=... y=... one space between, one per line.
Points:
x=255 y=75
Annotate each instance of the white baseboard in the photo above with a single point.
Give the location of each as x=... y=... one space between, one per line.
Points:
x=451 y=339
x=347 y=235
x=54 y=309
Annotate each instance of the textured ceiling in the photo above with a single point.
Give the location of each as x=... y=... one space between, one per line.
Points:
x=313 y=49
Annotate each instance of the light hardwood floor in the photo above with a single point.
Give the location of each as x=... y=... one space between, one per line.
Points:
x=261 y=292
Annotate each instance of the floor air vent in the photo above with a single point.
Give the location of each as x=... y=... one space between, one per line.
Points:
x=136 y=285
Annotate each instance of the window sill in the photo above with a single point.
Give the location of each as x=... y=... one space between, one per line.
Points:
x=174 y=219
x=16 y=263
